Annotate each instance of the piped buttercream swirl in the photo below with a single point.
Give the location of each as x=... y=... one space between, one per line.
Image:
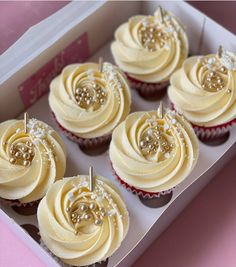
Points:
x=150 y=48
x=70 y=205
x=89 y=102
x=204 y=89
x=29 y=162
x=154 y=153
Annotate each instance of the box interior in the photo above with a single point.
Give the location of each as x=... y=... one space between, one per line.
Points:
x=199 y=29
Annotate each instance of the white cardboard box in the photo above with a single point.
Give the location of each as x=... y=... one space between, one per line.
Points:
x=99 y=20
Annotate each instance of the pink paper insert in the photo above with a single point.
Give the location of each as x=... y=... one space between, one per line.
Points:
x=38 y=84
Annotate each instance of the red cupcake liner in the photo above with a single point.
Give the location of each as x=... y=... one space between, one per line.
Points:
x=148 y=90
x=213 y=132
x=137 y=191
x=86 y=143
x=208 y=133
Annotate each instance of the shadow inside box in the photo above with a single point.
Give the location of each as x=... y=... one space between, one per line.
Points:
x=33 y=231
x=156 y=202
x=26 y=210
x=216 y=141
x=73 y=169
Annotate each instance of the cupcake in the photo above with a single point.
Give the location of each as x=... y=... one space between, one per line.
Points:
x=152 y=152
x=204 y=90
x=88 y=101
x=149 y=49
x=83 y=221
x=32 y=158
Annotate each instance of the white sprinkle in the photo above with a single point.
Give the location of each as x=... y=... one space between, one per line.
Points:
x=173 y=121
x=211 y=60
x=99 y=198
x=84 y=184
x=71 y=196
x=111 y=212
x=36 y=142
x=167 y=155
x=166 y=126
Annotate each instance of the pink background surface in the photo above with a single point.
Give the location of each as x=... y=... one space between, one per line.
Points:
x=204 y=234
x=13 y=252
x=17 y=16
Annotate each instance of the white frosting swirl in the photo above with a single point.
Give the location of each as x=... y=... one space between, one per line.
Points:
x=91 y=243
x=156 y=60
x=173 y=145
x=30 y=183
x=204 y=89
x=94 y=120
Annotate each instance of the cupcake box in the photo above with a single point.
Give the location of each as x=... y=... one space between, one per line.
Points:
x=83 y=29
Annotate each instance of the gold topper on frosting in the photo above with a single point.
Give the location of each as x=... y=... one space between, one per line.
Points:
x=154 y=32
x=153 y=139
x=89 y=94
x=22 y=153
x=88 y=209
x=215 y=78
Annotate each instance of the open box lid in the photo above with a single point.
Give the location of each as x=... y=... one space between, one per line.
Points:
x=44 y=41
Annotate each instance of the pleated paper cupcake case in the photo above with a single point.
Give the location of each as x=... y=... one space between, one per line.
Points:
x=213 y=132
x=139 y=192
x=83 y=142
x=146 y=88
x=206 y=133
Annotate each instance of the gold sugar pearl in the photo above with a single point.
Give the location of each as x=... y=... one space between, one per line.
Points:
x=150 y=147
x=87 y=217
x=26 y=156
x=12 y=151
x=92 y=206
x=83 y=207
x=26 y=163
x=74 y=214
x=143 y=144
x=12 y=160
x=18 y=154
x=24 y=149
x=98 y=222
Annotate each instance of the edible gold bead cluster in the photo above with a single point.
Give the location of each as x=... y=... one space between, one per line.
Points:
x=90 y=95
x=152 y=37
x=153 y=139
x=21 y=153
x=214 y=81
x=84 y=212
